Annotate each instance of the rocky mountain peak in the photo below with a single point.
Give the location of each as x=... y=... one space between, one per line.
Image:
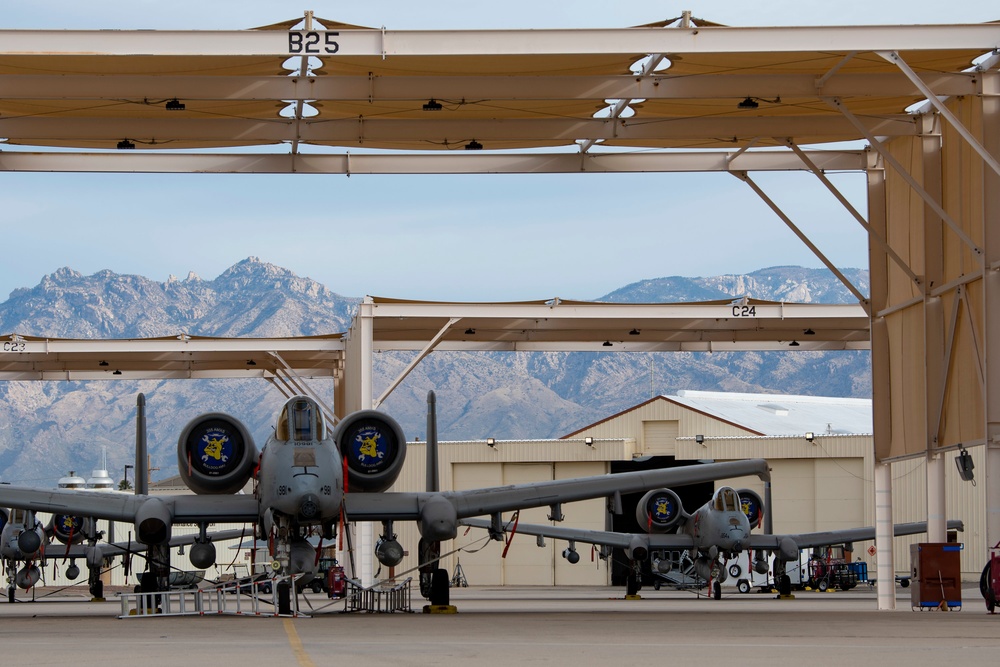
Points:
x=47 y=428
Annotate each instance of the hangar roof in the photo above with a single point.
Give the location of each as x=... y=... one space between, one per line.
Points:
x=778 y=414
x=673 y=84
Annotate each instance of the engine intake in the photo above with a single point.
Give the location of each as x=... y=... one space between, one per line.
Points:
x=374 y=447
x=752 y=506
x=215 y=454
x=68 y=529
x=659 y=510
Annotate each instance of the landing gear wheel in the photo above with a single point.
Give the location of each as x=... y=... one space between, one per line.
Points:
x=735 y=571
x=656 y=585
x=986 y=589
x=440 y=593
x=717 y=590
x=743 y=586
x=632 y=583
x=284 y=598
x=10 y=594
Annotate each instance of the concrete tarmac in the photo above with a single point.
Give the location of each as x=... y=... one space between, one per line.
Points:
x=520 y=626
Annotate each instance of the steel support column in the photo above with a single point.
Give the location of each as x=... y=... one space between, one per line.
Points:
x=990 y=101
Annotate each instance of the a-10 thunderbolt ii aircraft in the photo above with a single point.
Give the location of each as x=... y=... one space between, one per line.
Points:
x=717 y=531
x=311 y=479
x=26 y=545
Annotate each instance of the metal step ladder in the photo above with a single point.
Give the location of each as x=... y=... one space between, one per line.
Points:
x=235 y=598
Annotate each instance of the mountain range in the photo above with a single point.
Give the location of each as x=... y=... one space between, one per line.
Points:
x=50 y=428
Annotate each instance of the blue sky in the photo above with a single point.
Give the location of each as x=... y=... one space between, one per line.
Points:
x=463 y=238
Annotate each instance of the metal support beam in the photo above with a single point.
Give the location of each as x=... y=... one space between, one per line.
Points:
x=862 y=299
x=427 y=349
x=298 y=380
x=912 y=182
x=989 y=160
x=872 y=234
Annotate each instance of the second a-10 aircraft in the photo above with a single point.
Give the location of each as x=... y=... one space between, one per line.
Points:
x=26 y=545
x=311 y=479
x=717 y=531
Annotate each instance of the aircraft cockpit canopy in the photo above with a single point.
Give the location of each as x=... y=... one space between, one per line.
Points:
x=726 y=500
x=300 y=419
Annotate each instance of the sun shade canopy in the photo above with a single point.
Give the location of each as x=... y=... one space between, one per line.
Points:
x=332 y=86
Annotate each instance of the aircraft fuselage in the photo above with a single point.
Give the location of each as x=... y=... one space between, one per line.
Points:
x=301 y=480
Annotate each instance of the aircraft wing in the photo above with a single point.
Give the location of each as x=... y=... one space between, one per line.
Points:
x=477 y=502
x=224 y=508
x=123 y=507
x=599 y=537
x=831 y=537
x=57 y=551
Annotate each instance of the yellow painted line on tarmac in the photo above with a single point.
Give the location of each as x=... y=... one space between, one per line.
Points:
x=301 y=656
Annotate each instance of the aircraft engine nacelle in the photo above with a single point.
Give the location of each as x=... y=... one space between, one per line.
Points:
x=659 y=510
x=752 y=506
x=215 y=454
x=374 y=447
x=68 y=529
x=153 y=522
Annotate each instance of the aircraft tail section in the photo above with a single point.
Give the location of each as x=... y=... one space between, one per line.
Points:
x=141 y=450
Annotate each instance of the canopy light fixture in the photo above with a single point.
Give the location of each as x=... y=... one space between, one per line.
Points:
x=809 y=332
x=606 y=343
x=470 y=332
x=103 y=363
x=473 y=146
x=117 y=372
x=125 y=145
x=633 y=332
x=174 y=105
x=433 y=105
x=794 y=343
x=251 y=362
